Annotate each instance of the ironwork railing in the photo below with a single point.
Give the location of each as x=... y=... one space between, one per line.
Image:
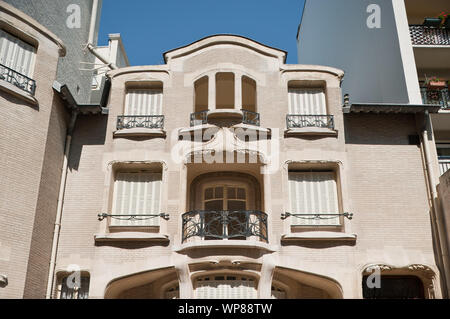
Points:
x=138 y=121
x=425 y=35
x=17 y=79
x=211 y=225
x=436 y=96
x=251 y=118
x=248 y=117
x=444 y=164
x=132 y=217
x=199 y=118
x=300 y=121
x=318 y=216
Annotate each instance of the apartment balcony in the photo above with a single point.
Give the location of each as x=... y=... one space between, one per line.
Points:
x=225 y=225
x=437 y=97
x=426 y=35
x=17 y=79
x=444 y=164
x=140 y=125
x=225 y=117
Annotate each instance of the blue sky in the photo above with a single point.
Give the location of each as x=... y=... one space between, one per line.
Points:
x=150 y=27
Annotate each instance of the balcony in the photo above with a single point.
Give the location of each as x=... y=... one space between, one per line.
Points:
x=17 y=79
x=437 y=97
x=224 y=225
x=140 y=121
x=425 y=35
x=224 y=117
x=444 y=164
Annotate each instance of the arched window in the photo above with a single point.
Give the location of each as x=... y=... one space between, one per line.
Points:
x=201 y=94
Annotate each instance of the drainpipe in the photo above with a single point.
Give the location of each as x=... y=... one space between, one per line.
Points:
x=441 y=242
x=62 y=188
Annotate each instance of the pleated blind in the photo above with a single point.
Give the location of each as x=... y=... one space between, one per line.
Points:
x=307 y=101
x=144 y=102
x=16 y=54
x=137 y=194
x=226 y=289
x=313 y=193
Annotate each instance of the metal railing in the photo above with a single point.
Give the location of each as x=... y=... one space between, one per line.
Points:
x=210 y=225
x=138 y=121
x=444 y=164
x=439 y=97
x=248 y=117
x=425 y=35
x=17 y=79
x=199 y=118
x=301 y=121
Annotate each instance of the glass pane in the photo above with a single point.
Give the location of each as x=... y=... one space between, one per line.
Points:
x=209 y=193
x=443 y=152
x=241 y=193
x=231 y=192
x=236 y=205
x=214 y=205
x=219 y=192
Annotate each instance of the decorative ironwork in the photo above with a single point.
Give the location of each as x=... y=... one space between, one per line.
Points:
x=224 y=224
x=425 y=35
x=300 y=121
x=133 y=217
x=438 y=97
x=17 y=79
x=136 y=121
x=251 y=118
x=317 y=216
x=199 y=118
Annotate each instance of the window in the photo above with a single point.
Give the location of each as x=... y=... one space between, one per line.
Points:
x=201 y=94
x=443 y=152
x=395 y=287
x=278 y=292
x=144 y=102
x=307 y=101
x=137 y=193
x=313 y=192
x=248 y=94
x=16 y=54
x=225 y=287
x=225 y=90
x=70 y=289
x=173 y=292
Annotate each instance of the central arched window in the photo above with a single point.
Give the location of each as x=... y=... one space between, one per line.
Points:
x=225 y=287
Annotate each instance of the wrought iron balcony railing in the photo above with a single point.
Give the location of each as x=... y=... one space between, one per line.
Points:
x=425 y=35
x=140 y=121
x=210 y=225
x=248 y=117
x=439 y=97
x=17 y=79
x=444 y=164
x=301 y=121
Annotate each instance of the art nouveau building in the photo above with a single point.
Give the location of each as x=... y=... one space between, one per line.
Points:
x=226 y=173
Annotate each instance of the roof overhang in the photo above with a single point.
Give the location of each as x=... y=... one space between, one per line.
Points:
x=391 y=108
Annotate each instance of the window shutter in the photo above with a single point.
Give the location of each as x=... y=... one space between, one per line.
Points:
x=137 y=194
x=226 y=289
x=144 y=102
x=307 y=102
x=313 y=193
x=16 y=54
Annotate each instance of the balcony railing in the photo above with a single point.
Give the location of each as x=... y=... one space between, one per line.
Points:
x=219 y=225
x=424 y=35
x=140 y=121
x=439 y=97
x=444 y=164
x=248 y=117
x=17 y=79
x=301 y=121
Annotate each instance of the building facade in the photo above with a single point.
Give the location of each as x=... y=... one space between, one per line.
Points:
x=226 y=173
x=394 y=53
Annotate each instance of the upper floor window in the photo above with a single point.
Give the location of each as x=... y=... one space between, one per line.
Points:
x=73 y=288
x=137 y=197
x=144 y=102
x=443 y=152
x=201 y=87
x=16 y=54
x=225 y=90
x=248 y=94
x=394 y=287
x=313 y=195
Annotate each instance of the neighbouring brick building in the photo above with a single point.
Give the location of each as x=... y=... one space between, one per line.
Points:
x=223 y=173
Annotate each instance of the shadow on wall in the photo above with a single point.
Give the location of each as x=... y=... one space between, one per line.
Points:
x=379 y=129
x=89 y=130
